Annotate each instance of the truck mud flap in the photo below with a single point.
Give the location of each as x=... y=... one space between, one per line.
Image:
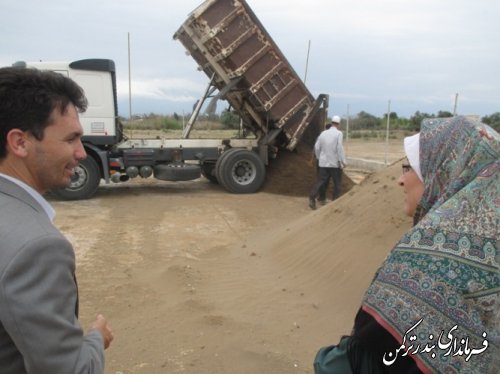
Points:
x=177 y=172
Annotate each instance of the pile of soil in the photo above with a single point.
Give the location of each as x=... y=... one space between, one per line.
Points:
x=293 y=173
x=195 y=280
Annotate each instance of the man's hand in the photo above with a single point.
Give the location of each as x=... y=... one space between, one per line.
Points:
x=101 y=325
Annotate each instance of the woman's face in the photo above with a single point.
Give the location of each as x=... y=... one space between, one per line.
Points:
x=413 y=188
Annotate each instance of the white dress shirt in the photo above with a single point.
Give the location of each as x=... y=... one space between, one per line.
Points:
x=329 y=150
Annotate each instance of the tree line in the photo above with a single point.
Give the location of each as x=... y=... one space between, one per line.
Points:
x=362 y=121
x=367 y=121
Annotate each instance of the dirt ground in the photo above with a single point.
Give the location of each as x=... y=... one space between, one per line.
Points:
x=193 y=279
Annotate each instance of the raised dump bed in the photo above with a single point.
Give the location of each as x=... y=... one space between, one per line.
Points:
x=235 y=51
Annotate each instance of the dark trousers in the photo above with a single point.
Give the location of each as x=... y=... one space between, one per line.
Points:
x=324 y=175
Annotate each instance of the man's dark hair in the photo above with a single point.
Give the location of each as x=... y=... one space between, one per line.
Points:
x=29 y=96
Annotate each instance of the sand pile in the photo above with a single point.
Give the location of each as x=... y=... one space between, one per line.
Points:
x=295 y=288
x=293 y=174
x=195 y=280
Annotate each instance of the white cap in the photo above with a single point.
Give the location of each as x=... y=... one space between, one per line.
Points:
x=412 y=150
x=335 y=119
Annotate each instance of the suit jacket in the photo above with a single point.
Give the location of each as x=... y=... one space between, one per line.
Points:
x=39 y=328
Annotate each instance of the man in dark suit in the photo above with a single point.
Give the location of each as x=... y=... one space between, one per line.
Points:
x=40 y=144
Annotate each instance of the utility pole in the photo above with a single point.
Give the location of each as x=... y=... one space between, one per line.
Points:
x=387 y=131
x=347 y=129
x=455 y=106
x=307 y=60
x=129 y=81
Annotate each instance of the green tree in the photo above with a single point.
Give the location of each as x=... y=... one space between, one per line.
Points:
x=392 y=116
x=417 y=118
x=169 y=123
x=444 y=114
x=230 y=119
x=493 y=120
x=366 y=120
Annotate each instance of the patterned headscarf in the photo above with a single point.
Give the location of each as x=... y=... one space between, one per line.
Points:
x=438 y=290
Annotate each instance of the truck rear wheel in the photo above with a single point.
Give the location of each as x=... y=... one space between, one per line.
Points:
x=218 y=165
x=241 y=171
x=84 y=182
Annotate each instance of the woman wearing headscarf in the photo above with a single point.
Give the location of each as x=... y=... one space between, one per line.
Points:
x=433 y=305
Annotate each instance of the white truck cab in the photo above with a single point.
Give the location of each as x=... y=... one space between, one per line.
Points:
x=98 y=80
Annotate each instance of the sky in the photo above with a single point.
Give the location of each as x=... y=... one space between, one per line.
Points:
x=368 y=55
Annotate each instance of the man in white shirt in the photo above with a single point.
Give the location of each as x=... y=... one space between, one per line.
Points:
x=331 y=160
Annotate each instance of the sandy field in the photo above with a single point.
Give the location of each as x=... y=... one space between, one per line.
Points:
x=196 y=280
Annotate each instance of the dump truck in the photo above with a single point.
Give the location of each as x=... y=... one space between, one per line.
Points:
x=244 y=67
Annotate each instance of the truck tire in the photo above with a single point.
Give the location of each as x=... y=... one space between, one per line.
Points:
x=177 y=172
x=241 y=171
x=84 y=182
x=208 y=171
x=218 y=165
